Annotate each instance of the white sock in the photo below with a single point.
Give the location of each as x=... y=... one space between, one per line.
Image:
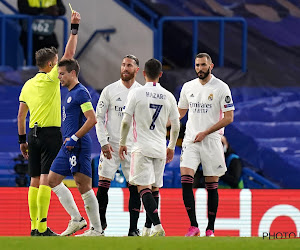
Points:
x=92 y=209
x=66 y=199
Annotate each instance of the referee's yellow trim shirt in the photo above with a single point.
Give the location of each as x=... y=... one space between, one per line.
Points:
x=42 y=96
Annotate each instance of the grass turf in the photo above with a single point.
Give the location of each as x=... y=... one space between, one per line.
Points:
x=141 y=243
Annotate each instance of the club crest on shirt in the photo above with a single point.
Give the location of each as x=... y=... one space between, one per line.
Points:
x=210 y=97
x=101 y=104
x=69 y=99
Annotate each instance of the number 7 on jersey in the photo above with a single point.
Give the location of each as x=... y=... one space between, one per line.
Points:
x=157 y=108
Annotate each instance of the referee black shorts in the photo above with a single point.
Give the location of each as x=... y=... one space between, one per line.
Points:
x=43 y=149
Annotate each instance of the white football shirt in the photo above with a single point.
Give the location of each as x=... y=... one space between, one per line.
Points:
x=109 y=112
x=151 y=106
x=205 y=104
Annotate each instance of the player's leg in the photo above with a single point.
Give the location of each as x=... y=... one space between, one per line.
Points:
x=106 y=170
x=213 y=167
x=159 y=166
x=189 y=162
x=142 y=175
x=59 y=169
x=211 y=185
x=148 y=223
x=84 y=185
x=151 y=209
x=134 y=204
x=82 y=172
x=102 y=197
x=158 y=169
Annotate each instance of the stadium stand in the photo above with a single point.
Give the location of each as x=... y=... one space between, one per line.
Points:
x=268 y=41
x=266 y=131
x=14 y=53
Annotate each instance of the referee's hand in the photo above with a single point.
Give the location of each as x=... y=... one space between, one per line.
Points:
x=24 y=150
x=75 y=18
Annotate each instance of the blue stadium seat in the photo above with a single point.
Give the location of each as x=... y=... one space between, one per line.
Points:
x=6 y=68
x=168 y=179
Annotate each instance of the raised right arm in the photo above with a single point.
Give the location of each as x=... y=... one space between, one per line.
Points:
x=72 y=42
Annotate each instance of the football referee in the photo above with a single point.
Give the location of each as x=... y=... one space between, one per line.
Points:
x=40 y=96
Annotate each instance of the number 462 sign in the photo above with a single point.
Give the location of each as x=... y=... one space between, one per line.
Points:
x=43 y=27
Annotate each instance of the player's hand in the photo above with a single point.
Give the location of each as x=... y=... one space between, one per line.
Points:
x=106 y=150
x=199 y=137
x=75 y=18
x=24 y=150
x=122 y=150
x=69 y=143
x=170 y=155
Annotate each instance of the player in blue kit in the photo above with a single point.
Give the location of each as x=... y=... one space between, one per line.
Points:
x=74 y=156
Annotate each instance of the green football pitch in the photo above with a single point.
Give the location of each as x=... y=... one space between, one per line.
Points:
x=140 y=243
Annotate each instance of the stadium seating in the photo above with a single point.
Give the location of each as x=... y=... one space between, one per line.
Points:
x=268 y=41
x=266 y=132
x=14 y=50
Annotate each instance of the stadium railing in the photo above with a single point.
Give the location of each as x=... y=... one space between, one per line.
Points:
x=255 y=181
x=149 y=17
x=221 y=20
x=104 y=32
x=156 y=23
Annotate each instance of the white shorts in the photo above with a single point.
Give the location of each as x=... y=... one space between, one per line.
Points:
x=208 y=152
x=108 y=167
x=146 y=171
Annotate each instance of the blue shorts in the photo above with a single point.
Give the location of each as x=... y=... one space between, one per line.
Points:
x=70 y=162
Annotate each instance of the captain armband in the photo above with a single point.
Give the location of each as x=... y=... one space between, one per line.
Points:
x=86 y=106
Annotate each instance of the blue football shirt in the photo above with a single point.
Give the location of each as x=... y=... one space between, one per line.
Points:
x=72 y=115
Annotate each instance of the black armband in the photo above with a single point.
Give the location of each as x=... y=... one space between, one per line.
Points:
x=74 y=28
x=22 y=139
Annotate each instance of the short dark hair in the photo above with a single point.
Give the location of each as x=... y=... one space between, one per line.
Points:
x=153 y=68
x=70 y=64
x=134 y=58
x=43 y=56
x=201 y=55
